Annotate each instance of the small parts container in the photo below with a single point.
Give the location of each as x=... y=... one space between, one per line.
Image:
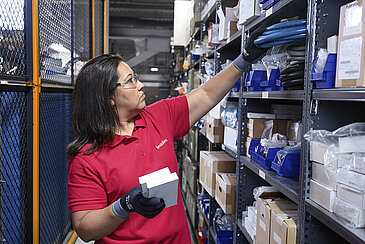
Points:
x=287 y=163
x=272 y=83
x=254 y=151
x=266 y=4
x=253 y=79
x=224 y=237
x=325 y=79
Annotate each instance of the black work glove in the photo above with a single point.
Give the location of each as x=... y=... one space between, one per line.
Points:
x=133 y=201
x=252 y=52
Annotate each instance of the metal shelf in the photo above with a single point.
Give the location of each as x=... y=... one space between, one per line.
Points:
x=352 y=235
x=229 y=40
x=244 y=231
x=340 y=94
x=287 y=95
x=208 y=12
x=274 y=9
x=234 y=94
x=229 y=151
x=288 y=186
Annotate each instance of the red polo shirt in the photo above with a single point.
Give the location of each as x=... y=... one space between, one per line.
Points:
x=96 y=181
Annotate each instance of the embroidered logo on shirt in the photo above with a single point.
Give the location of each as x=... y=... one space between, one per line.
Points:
x=161 y=144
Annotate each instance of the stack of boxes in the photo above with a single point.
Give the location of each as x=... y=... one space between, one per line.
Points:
x=338 y=173
x=217 y=176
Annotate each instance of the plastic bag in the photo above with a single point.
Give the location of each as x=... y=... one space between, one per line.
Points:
x=229 y=115
x=223 y=221
x=282 y=153
x=321 y=60
x=209 y=66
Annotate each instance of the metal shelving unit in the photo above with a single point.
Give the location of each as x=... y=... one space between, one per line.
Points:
x=286 y=95
x=244 y=231
x=352 y=235
x=288 y=186
x=340 y=94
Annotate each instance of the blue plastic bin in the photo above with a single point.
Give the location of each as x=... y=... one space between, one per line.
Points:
x=271 y=83
x=254 y=151
x=325 y=79
x=289 y=166
x=278 y=84
x=224 y=237
x=253 y=80
x=266 y=4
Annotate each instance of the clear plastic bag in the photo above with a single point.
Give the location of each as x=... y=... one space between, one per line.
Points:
x=209 y=66
x=229 y=115
x=223 y=221
x=321 y=60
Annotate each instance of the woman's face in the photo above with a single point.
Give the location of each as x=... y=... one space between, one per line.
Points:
x=128 y=97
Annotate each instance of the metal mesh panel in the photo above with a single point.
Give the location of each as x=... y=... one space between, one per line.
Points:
x=13 y=167
x=82 y=34
x=55 y=40
x=12 y=41
x=99 y=27
x=55 y=134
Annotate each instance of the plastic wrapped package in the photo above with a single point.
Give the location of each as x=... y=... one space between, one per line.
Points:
x=223 y=221
x=351 y=215
x=351 y=178
x=259 y=190
x=229 y=116
x=357 y=162
x=321 y=60
x=209 y=66
x=296 y=132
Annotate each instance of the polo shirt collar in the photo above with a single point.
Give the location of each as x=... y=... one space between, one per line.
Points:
x=139 y=122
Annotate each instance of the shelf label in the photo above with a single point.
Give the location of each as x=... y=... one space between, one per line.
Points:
x=262 y=174
x=265 y=94
x=269 y=12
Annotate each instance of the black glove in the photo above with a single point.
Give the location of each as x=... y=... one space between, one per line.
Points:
x=251 y=52
x=133 y=201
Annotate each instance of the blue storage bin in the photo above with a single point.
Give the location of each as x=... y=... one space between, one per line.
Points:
x=278 y=84
x=289 y=166
x=224 y=237
x=271 y=83
x=236 y=87
x=325 y=79
x=266 y=4
x=254 y=151
x=253 y=80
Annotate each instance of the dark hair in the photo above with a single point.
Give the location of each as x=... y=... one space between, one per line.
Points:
x=94 y=118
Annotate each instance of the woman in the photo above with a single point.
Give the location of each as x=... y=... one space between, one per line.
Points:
x=118 y=139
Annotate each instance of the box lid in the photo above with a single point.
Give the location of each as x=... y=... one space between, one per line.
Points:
x=225 y=180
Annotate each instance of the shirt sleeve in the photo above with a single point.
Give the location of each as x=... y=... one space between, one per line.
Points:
x=174 y=113
x=85 y=189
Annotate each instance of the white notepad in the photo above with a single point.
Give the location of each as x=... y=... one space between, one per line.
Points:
x=161 y=183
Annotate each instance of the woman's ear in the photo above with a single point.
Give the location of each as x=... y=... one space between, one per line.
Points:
x=112 y=102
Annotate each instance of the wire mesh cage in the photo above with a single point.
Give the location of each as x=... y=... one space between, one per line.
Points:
x=55 y=134
x=82 y=34
x=12 y=41
x=13 y=175
x=55 y=41
x=99 y=27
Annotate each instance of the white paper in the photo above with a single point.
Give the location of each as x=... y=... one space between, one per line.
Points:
x=350 y=59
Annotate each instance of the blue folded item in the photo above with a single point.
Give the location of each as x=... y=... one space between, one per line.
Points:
x=287 y=24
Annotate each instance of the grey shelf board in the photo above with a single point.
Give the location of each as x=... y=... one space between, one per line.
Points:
x=244 y=231
x=288 y=186
x=352 y=235
x=234 y=94
x=340 y=94
x=229 y=40
x=229 y=151
x=286 y=95
x=209 y=13
x=277 y=7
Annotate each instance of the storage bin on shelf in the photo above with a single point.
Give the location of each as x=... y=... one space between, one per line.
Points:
x=254 y=151
x=271 y=84
x=287 y=162
x=266 y=4
x=253 y=79
x=325 y=79
x=224 y=237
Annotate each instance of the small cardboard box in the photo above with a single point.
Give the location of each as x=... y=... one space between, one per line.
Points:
x=215 y=130
x=351 y=46
x=322 y=195
x=283 y=227
x=354 y=197
x=264 y=207
x=212 y=162
x=324 y=175
x=225 y=191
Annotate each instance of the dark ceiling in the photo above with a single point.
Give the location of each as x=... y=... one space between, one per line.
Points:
x=140 y=31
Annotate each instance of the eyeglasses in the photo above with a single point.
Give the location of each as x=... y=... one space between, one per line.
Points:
x=129 y=84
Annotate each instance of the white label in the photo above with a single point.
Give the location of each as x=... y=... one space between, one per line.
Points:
x=265 y=94
x=277 y=238
x=269 y=12
x=262 y=174
x=352 y=22
x=262 y=225
x=350 y=59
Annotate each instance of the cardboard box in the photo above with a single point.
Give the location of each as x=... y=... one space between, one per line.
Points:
x=283 y=227
x=249 y=227
x=215 y=130
x=324 y=175
x=252 y=215
x=352 y=196
x=255 y=127
x=212 y=162
x=351 y=46
x=225 y=191
x=230 y=138
x=351 y=178
x=231 y=28
x=249 y=10
x=317 y=151
x=352 y=144
x=353 y=215
x=264 y=207
x=322 y=195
